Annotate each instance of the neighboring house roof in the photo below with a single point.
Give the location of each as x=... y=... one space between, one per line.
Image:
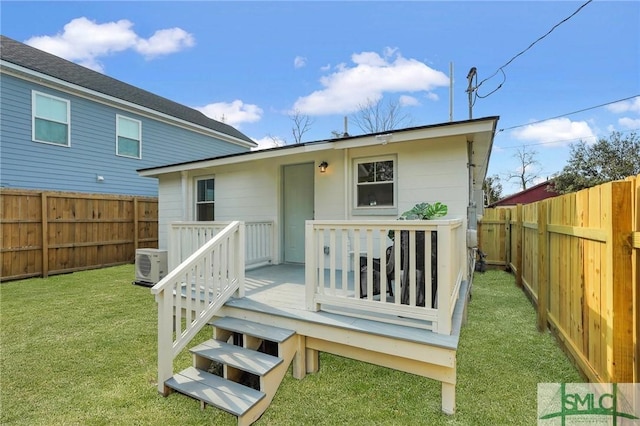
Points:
x=481 y=131
x=45 y=63
x=535 y=193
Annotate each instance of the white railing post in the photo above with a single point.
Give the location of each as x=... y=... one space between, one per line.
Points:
x=310 y=267
x=165 y=339
x=240 y=258
x=445 y=264
x=174 y=245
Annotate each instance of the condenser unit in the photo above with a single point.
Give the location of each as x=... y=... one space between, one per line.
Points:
x=151 y=265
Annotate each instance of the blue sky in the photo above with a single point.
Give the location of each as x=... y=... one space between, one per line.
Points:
x=252 y=63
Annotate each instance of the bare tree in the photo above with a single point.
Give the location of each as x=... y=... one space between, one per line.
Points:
x=276 y=141
x=374 y=117
x=526 y=172
x=301 y=124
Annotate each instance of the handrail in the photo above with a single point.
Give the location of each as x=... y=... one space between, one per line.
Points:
x=391 y=285
x=195 y=291
x=185 y=237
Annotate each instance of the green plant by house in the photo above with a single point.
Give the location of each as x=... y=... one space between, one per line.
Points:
x=425 y=211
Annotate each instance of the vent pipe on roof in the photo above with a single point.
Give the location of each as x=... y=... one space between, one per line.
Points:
x=346 y=124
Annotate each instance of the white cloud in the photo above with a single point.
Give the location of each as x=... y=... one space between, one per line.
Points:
x=84 y=41
x=299 y=62
x=163 y=42
x=325 y=68
x=632 y=105
x=268 y=142
x=233 y=113
x=556 y=132
x=432 y=96
x=370 y=76
x=629 y=123
x=405 y=100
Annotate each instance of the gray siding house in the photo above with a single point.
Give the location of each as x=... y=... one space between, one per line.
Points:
x=64 y=127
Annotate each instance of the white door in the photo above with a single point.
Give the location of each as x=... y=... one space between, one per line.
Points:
x=298 y=207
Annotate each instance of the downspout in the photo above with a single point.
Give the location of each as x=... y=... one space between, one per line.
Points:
x=472 y=211
x=472 y=217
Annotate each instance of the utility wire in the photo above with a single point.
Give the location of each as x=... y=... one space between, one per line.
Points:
x=525 y=50
x=569 y=113
x=563 y=140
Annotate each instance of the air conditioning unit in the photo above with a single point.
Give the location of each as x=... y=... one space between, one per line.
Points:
x=151 y=265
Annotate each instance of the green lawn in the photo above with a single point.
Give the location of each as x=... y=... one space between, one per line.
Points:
x=81 y=349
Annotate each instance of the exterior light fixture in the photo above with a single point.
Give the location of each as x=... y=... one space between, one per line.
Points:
x=323 y=166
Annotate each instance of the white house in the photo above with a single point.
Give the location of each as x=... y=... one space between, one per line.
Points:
x=315 y=210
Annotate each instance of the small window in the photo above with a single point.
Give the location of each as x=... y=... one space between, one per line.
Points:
x=375 y=183
x=50 y=119
x=128 y=137
x=205 y=199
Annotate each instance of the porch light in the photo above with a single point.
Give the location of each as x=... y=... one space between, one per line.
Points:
x=323 y=166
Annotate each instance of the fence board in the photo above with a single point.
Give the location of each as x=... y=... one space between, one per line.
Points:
x=580 y=266
x=55 y=232
x=492 y=235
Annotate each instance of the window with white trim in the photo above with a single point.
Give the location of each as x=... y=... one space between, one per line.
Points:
x=375 y=183
x=205 y=199
x=128 y=137
x=50 y=117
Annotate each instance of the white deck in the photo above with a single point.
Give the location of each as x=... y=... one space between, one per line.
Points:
x=279 y=290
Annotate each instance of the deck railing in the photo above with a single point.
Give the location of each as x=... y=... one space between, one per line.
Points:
x=194 y=291
x=187 y=237
x=400 y=271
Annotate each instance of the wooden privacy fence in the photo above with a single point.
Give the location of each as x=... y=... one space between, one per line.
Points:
x=46 y=233
x=577 y=256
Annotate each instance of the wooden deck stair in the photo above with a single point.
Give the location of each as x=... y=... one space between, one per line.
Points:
x=247 y=377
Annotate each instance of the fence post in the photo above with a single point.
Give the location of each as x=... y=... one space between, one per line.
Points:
x=619 y=281
x=44 y=219
x=543 y=265
x=518 y=236
x=635 y=264
x=136 y=223
x=507 y=239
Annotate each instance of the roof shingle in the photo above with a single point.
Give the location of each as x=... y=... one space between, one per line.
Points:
x=37 y=60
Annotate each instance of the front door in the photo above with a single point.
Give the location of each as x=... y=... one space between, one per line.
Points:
x=298 y=207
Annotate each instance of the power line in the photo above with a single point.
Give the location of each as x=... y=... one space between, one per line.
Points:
x=569 y=113
x=564 y=140
x=525 y=50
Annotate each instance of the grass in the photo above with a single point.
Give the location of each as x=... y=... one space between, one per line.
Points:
x=81 y=349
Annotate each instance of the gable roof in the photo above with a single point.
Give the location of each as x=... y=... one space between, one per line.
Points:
x=479 y=130
x=42 y=62
x=538 y=192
